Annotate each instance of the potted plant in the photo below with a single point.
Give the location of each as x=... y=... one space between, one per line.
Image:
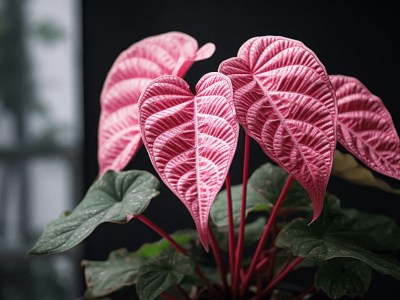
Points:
x=248 y=237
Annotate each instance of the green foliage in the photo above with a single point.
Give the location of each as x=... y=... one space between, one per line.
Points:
x=346 y=167
x=109 y=199
x=268 y=181
x=219 y=209
x=150 y=250
x=162 y=272
x=104 y=277
x=345 y=233
x=253 y=232
x=340 y=277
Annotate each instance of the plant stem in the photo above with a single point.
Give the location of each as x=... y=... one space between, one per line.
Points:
x=178 y=247
x=268 y=227
x=306 y=292
x=278 y=278
x=262 y=264
x=167 y=296
x=231 y=230
x=162 y=233
x=239 y=246
x=182 y=292
x=218 y=258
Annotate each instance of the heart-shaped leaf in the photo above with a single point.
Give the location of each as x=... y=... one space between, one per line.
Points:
x=191 y=139
x=164 y=271
x=104 y=277
x=110 y=199
x=346 y=167
x=284 y=100
x=365 y=127
x=164 y=54
x=341 y=277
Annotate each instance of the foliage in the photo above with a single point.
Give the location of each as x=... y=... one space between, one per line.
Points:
x=260 y=230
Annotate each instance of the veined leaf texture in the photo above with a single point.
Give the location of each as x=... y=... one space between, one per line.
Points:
x=191 y=139
x=365 y=127
x=170 y=53
x=284 y=100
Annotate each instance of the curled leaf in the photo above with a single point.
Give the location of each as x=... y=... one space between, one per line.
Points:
x=346 y=167
x=284 y=100
x=365 y=127
x=191 y=139
x=164 y=54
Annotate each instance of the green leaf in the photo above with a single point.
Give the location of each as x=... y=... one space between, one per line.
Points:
x=346 y=167
x=219 y=209
x=110 y=199
x=104 y=277
x=150 y=250
x=341 y=233
x=269 y=180
x=253 y=232
x=343 y=277
x=162 y=272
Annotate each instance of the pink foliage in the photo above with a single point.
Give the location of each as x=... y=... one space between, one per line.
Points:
x=284 y=100
x=365 y=127
x=191 y=139
x=164 y=54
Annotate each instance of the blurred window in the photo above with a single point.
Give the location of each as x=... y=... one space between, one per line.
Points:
x=40 y=142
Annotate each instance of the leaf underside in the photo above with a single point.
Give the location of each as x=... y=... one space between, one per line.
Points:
x=346 y=167
x=164 y=54
x=284 y=100
x=365 y=127
x=191 y=139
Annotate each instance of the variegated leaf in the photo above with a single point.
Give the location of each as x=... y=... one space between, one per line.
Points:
x=284 y=100
x=119 y=133
x=365 y=127
x=191 y=139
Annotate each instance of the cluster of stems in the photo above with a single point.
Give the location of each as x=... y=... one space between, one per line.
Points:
x=262 y=263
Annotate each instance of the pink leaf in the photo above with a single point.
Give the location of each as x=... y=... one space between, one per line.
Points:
x=191 y=139
x=284 y=100
x=365 y=127
x=119 y=134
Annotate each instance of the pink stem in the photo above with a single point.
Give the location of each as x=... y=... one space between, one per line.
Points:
x=231 y=230
x=167 y=296
x=218 y=258
x=278 y=278
x=162 y=233
x=239 y=246
x=310 y=290
x=261 y=265
x=268 y=227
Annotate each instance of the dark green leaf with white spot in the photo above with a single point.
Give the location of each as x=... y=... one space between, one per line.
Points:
x=104 y=277
x=344 y=233
x=109 y=199
x=341 y=277
x=164 y=271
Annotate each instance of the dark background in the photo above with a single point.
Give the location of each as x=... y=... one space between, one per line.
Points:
x=350 y=37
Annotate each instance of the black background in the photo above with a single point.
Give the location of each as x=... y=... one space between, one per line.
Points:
x=350 y=37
